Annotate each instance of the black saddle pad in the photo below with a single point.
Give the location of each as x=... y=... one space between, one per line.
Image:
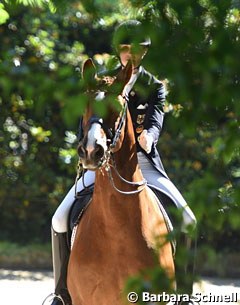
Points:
x=169 y=207
x=79 y=206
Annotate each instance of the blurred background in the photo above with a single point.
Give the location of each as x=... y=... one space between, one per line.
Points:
x=195 y=48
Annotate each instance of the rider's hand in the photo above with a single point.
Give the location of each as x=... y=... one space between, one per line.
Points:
x=146 y=141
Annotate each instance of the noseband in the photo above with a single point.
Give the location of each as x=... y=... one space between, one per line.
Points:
x=107 y=164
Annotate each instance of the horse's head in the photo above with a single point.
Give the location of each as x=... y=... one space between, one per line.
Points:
x=101 y=134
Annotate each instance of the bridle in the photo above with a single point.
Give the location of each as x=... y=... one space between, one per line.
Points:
x=120 y=125
x=108 y=162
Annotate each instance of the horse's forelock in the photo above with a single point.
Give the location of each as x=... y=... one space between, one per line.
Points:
x=106 y=81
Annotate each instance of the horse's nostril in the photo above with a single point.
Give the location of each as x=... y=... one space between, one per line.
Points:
x=98 y=152
x=81 y=151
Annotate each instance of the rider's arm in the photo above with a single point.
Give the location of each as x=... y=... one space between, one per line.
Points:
x=155 y=113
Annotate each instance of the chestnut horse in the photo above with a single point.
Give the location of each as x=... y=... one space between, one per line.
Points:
x=120 y=232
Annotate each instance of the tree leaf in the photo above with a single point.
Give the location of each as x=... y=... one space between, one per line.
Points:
x=4 y=16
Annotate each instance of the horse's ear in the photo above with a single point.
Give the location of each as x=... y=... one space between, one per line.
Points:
x=124 y=76
x=89 y=71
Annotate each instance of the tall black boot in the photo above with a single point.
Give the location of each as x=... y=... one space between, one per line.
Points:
x=60 y=255
x=185 y=266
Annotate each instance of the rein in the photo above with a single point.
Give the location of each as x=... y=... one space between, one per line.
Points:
x=108 y=167
x=120 y=125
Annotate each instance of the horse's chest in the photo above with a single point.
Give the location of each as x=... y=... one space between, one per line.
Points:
x=120 y=251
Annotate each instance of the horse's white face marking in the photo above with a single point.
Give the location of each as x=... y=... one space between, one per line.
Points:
x=95 y=136
x=100 y=96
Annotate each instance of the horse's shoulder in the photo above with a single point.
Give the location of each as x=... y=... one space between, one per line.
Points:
x=153 y=224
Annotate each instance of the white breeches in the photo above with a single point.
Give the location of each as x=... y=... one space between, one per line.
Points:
x=60 y=218
x=153 y=177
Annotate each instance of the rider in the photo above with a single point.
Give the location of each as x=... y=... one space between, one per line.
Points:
x=146 y=96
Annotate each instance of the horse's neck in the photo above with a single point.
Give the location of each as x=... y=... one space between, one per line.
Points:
x=126 y=156
x=111 y=208
x=125 y=160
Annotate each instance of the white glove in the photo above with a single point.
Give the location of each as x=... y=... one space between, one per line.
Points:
x=146 y=141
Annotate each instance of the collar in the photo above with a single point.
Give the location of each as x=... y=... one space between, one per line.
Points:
x=132 y=81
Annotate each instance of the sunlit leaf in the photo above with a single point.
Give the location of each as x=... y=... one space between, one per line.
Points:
x=4 y=16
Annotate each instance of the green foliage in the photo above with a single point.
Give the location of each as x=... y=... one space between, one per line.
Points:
x=149 y=281
x=3 y=14
x=41 y=98
x=31 y=256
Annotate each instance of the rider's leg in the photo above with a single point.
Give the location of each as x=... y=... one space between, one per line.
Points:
x=60 y=218
x=60 y=254
x=184 y=258
x=185 y=252
x=165 y=186
x=60 y=249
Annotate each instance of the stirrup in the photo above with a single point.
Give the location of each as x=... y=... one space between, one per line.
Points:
x=53 y=296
